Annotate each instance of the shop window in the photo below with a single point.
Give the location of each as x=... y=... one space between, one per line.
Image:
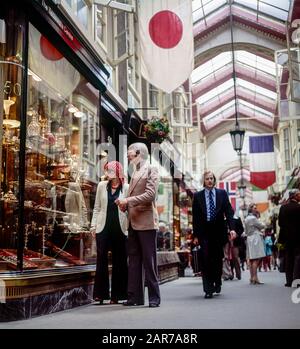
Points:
x=60 y=160
x=11 y=72
x=133 y=68
x=182 y=112
x=298 y=130
x=101 y=24
x=287 y=151
x=194 y=165
x=153 y=97
x=81 y=10
x=165 y=239
x=123 y=39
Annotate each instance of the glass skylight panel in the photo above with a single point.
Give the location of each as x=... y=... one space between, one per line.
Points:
x=255 y=95
x=283 y=4
x=212 y=5
x=210 y=66
x=248 y=3
x=256 y=88
x=220 y=110
x=256 y=62
x=273 y=11
x=218 y=117
x=215 y=92
x=255 y=108
x=275 y=8
x=202 y=8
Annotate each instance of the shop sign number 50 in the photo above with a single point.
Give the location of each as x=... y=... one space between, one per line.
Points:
x=10 y=88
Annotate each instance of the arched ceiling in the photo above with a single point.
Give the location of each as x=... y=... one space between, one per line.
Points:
x=246 y=122
x=246 y=88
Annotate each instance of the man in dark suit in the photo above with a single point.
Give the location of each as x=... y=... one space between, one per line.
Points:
x=289 y=223
x=210 y=207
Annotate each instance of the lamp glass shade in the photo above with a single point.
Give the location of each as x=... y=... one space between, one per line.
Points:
x=237 y=138
x=242 y=190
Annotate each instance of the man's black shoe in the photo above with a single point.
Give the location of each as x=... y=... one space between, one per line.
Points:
x=131 y=304
x=218 y=289
x=288 y=285
x=153 y=305
x=208 y=295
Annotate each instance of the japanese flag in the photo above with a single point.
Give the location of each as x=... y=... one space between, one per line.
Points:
x=167 y=45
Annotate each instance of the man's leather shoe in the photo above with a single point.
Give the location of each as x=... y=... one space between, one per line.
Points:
x=153 y=305
x=218 y=289
x=131 y=303
x=208 y=295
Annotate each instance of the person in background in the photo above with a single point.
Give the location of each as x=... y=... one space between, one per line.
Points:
x=109 y=226
x=289 y=236
x=268 y=250
x=168 y=237
x=255 y=242
x=160 y=236
x=236 y=247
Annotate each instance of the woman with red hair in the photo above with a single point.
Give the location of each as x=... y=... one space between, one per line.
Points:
x=109 y=226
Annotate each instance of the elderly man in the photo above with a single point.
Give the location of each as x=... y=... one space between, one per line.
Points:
x=210 y=205
x=143 y=224
x=289 y=223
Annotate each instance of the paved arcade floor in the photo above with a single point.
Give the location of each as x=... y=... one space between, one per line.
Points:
x=240 y=305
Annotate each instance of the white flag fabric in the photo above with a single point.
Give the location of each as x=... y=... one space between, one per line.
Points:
x=167 y=44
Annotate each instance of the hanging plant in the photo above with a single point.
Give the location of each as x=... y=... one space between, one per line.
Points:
x=157 y=130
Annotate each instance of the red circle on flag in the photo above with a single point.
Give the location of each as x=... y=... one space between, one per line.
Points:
x=165 y=29
x=48 y=50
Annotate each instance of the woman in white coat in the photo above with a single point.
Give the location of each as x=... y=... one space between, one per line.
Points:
x=255 y=242
x=109 y=225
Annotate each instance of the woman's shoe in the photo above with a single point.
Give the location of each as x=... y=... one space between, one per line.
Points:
x=257 y=282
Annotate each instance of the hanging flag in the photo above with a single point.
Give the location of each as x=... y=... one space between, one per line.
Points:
x=230 y=187
x=260 y=198
x=262 y=168
x=262 y=161
x=167 y=43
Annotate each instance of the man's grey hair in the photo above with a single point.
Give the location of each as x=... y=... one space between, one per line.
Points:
x=293 y=192
x=140 y=148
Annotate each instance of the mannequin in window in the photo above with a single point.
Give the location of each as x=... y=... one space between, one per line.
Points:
x=75 y=204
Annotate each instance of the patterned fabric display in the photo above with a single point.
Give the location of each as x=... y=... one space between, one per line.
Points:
x=212 y=208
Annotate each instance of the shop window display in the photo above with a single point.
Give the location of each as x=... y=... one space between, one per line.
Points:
x=165 y=211
x=11 y=71
x=60 y=163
